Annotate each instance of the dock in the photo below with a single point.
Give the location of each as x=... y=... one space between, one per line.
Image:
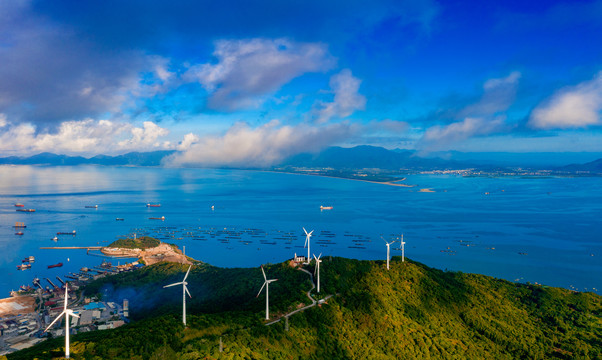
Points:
x=71 y=247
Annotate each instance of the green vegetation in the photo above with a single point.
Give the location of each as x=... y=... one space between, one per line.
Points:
x=144 y=242
x=411 y=311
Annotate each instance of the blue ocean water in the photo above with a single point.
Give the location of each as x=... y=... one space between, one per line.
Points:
x=544 y=230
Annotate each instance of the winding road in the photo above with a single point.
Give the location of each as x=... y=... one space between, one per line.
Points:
x=313 y=301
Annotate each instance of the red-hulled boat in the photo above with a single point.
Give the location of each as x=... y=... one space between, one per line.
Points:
x=55 y=265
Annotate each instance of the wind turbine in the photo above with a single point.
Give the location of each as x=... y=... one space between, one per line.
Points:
x=65 y=312
x=267 y=293
x=184 y=291
x=318 y=261
x=307 y=241
x=388 y=250
x=403 y=249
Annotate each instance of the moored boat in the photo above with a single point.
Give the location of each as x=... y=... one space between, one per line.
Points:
x=24 y=266
x=55 y=265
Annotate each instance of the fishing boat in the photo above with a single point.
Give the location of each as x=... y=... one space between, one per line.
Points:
x=19 y=233
x=26 y=210
x=119 y=219
x=55 y=238
x=325 y=207
x=91 y=206
x=55 y=265
x=19 y=205
x=66 y=233
x=157 y=218
x=24 y=266
x=19 y=224
x=153 y=205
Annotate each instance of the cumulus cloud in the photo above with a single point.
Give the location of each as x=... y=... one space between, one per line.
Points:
x=347 y=99
x=577 y=106
x=244 y=146
x=440 y=137
x=248 y=69
x=484 y=117
x=498 y=95
x=81 y=137
x=50 y=73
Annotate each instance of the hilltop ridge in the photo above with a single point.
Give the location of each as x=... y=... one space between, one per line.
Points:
x=411 y=311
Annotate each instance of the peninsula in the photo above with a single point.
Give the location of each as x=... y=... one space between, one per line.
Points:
x=147 y=249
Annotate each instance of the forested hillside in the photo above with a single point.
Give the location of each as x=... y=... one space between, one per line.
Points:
x=411 y=311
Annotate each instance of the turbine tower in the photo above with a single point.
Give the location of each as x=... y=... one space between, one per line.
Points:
x=184 y=292
x=388 y=250
x=318 y=261
x=266 y=283
x=307 y=241
x=403 y=249
x=65 y=312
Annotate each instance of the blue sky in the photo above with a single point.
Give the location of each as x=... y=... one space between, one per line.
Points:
x=239 y=82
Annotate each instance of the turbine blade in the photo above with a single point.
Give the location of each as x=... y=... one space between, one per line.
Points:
x=174 y=284
x=263 y=272
x=55 y=320
x=66 y=297
x=319 y=256
x=305 y=231
x=311 y=232
x=262 y=286
x=315 y=257
x=72 y=314
x=190 y=267
x=187 y=292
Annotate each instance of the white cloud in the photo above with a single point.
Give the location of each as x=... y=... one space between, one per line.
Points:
x=572 y=107
x=189 y=140
x=243 y=146
x=440 y=137
x=85 y=137
x=2 y=120
x=249 y=69
x=347 y=99
x=498 y=95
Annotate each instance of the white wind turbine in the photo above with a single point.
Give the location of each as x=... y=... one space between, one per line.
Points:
x=267 y=293
x=307 y=241
x=388 y=250
x=65 y=312
x=318 y=261
x=184 y=291
x=403 y=249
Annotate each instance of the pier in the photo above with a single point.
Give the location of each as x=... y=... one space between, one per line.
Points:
x=72 y=247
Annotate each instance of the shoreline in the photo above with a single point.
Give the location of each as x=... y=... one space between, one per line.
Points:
x=390 y=183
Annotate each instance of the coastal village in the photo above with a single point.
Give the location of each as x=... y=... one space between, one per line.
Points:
x=28 y=312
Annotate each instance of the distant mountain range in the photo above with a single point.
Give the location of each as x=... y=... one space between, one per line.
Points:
x=130 y=159
x=359 y=157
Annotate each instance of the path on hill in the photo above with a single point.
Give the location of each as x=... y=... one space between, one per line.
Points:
x=313 y=301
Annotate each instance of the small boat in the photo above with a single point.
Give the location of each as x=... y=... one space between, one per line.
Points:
x=325 y=207
x=153 y=205
x=91 y=206
x=26 y=210
x=24 y=266
x=19 y=205
x=19 y=233
x=157 y=218
x=32 y=259
x=19 y=224
x=55 y=239
x=119 y=219
x=55 y=265
x=66 y=233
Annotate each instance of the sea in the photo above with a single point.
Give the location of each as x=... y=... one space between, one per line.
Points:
x=544 y=230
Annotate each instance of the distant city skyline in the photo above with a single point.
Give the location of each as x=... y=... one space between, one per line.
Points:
x=240 y=83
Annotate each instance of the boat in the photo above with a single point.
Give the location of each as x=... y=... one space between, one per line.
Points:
x=153 y=205
x=157 y=218
x=325 y=207
x=19 y=205
x=32 y=259
x=26 y=210
x=24 y=266
x=91 y=206
x=19 y=233
x=55 y=265
x=55 y=238
x=19 y=224
x=66 y=233
x=119 y=219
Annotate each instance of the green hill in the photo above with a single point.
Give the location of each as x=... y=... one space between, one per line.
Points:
x=409 y=312
x=143 y=242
